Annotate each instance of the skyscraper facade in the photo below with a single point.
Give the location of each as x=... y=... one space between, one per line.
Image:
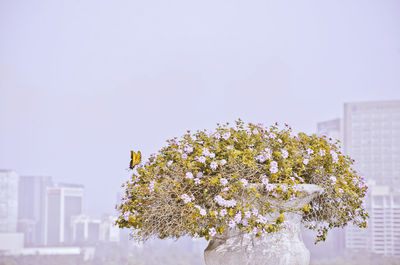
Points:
x=8 y=201
x=31 y=209
x=62 y=203
x=372 y=138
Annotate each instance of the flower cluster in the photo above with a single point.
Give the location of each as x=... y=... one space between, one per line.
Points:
x=210 y=181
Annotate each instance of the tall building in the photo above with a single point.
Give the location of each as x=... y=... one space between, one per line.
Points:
x=331 y=128
x=372 y=138
x=62 y=203
x=9 y=238
x=85 y=229
x=31 y=208
x=8 y=201
x=382 y=235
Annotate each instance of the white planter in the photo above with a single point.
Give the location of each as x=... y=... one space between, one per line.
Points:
x=285 y=247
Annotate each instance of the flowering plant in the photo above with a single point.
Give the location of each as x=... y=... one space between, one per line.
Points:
x=208 y=182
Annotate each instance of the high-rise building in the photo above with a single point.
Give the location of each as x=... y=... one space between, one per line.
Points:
x=382 y=235
x=85 y=229
x=9 y=238
x=62 y=203
x=372 y=137
x=31 y=208
x=331 y=128
x=8 y=201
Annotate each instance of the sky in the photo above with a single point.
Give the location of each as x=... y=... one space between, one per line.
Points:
x=83 y=82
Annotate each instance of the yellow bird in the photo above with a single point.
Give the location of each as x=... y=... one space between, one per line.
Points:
x=135 y=159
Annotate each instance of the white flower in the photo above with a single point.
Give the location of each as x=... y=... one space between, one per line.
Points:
x=264 y=180
x=184 y=156
x=189 y=175
x=226 y=189
x=186 y=198
x=272 y=135
x=255 y=131
x=212 y=155
x=223 y=181
x=197 y=181
x=244 y=182
x=305 y=161
x=321 y=152
x=280 y=141
x=212 y=232
x=247 y=214
x=232 y=224
x=169 y=163
x=244 y=222
x=333 y=179
x=273 y=170
x=254 y=212
x=151 y=186
x=237 y=218
x=261 y=219
x=188 y=149
x=274 y=164
x=310 y=151
x=223 y=212
x=199 y=174
x=269 y=187
x=229 y=147
x=203 y=212
x=213 y=165
x=206 y=152
x=222 y=162
x=226 y=135
x=225 y=203
x=335 y=157
x=285 y=153
x=201 y=159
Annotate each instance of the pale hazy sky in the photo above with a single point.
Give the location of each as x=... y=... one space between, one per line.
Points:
x=82 y=82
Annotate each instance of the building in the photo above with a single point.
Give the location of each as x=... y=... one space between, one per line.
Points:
x=109 y=231
x=382 y=235
x=372 y=137
x=9 y=238
x=85 y=229
x=31 y=208
x=62 y=203
x=370 y=134
x=8 y=201
x=331 y=128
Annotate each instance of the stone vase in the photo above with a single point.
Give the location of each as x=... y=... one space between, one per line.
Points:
x=285 y=247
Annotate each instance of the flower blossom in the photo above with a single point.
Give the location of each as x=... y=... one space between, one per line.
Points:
x=285 y=153
x=212 y=232
x=188 y=149
x=274 y=167
x=201 y=159
x=199 y=174
x=244 y=182
x=222 y=162
x=333 y=178
x=212 y=155
x=322 y=152
x=186 y=198
x=335 y=157
x=305 y=161
x=225 y=203
x=226 y=135
x=151 y=186
x=223 y=181
x=262 y=219
x=237 y=218
x=169 y=163
x=184 y=156
x=189 y=175
x=223 y=212
x=310 y=151
x=197 y=181
x=213 y=165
